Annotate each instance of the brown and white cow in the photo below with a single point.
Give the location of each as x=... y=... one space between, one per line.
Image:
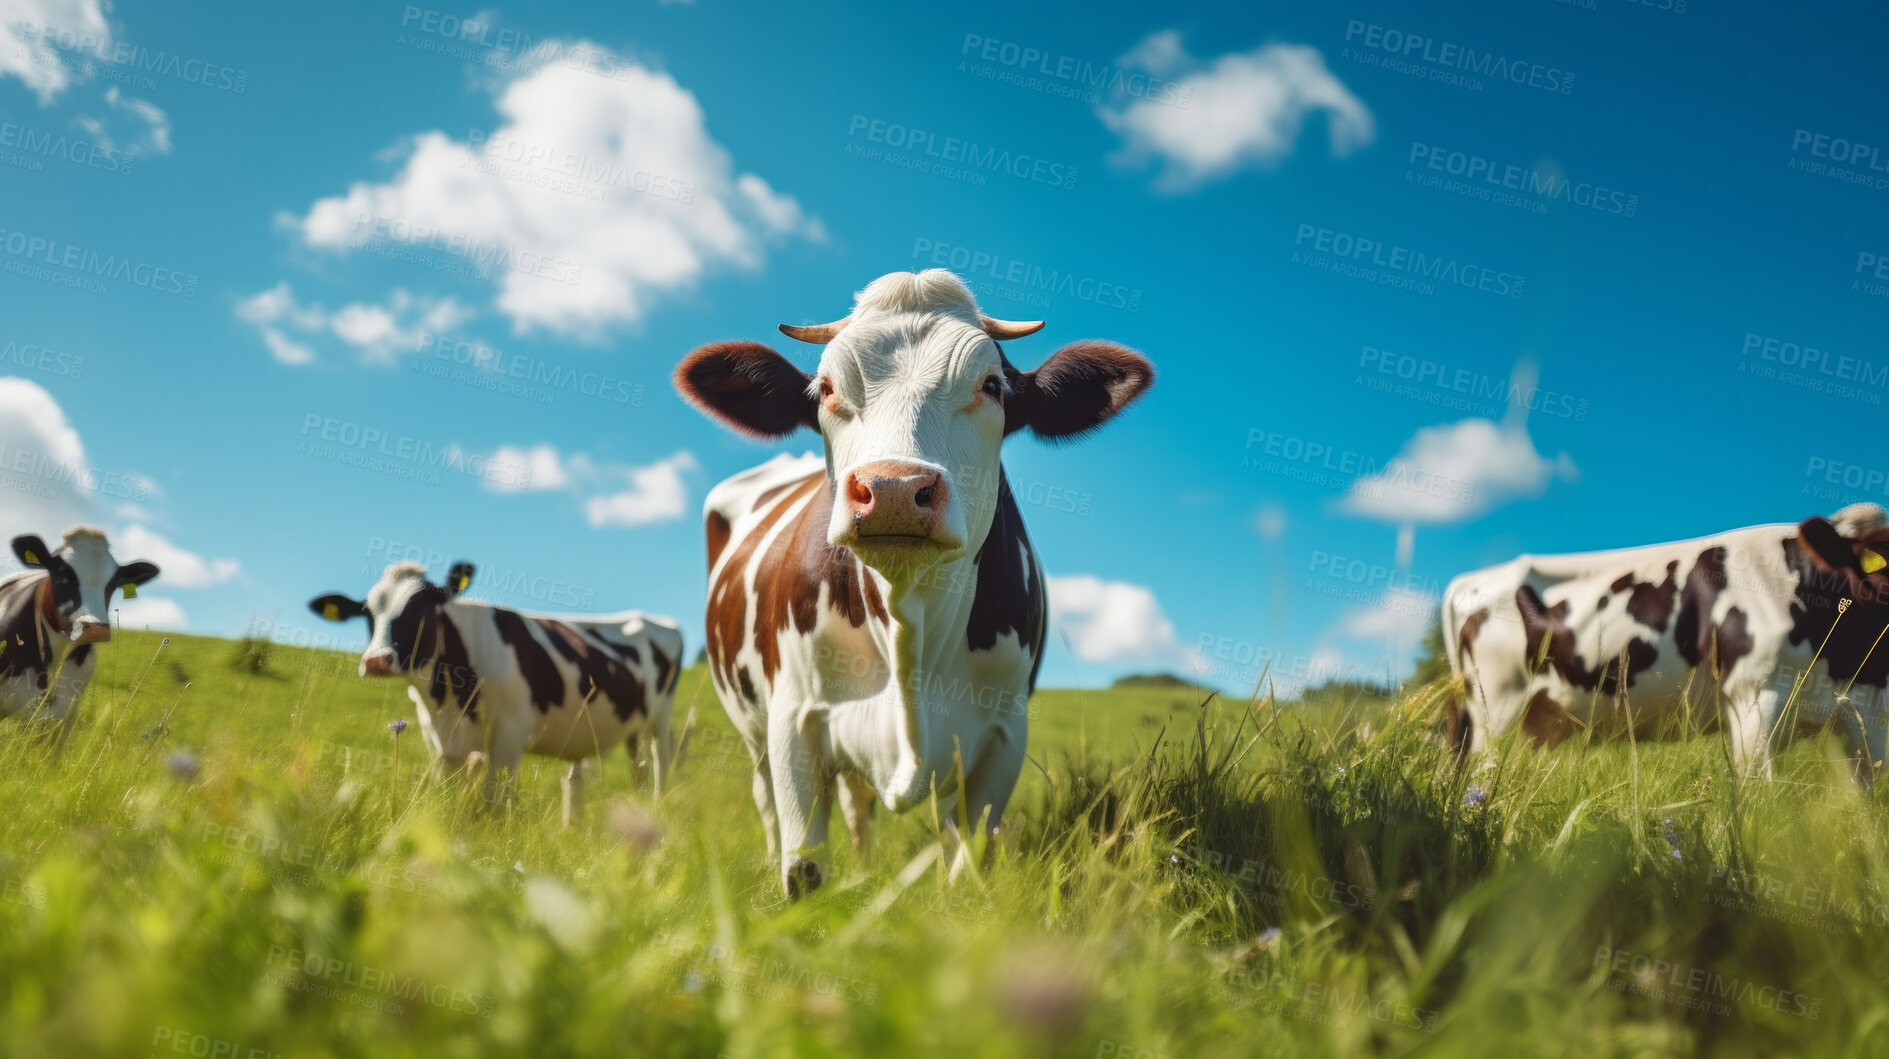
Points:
x=1724 y=628
x=876 y=612
x=52 y=615
x=503 y=683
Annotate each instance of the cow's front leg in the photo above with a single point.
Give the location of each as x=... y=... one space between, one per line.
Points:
x=857 y=803
x=803 y=798
x=573 y=784
x=1750 y=721
x=987 y=790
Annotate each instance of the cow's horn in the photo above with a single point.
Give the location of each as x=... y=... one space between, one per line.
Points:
x=996 y=328
x=818 y=334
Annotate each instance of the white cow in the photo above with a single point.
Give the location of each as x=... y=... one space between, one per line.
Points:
x=876 y=617
x=1733 y=627
x=503 y=683
x=53 y=614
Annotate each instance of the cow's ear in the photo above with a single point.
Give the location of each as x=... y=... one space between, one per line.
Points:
x=749 y=387
x=30 y=549
x=135 y=573
x=1080 y=387
x=336 y=607
x=1829 y=549
x=458 y=578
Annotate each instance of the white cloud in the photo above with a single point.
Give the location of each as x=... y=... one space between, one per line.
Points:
x=152 y=125
x=1455 y=472
x=1398 y=615
x=181 y=568
x=29 y=30
x=608 y=257
x=379 y=332
x=515 y=469
x=1108 y=621
x=1243 y=110
x=150 y=612
x=656 y=493
x=44 y=483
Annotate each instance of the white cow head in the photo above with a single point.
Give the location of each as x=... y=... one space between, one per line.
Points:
x=82 y=575
x=405 y=616
x=914 y=398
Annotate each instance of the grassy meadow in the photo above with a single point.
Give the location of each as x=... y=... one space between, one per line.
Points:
x=249 y=866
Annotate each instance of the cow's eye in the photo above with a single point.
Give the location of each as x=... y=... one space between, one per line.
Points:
x=994 y=388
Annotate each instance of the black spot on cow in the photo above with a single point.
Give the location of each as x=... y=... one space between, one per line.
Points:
x=1829 y=570
x=747 y=686
x=534 y=662
x=1652 y=605
x=26 y=645
x=599 y=671
x=667 y=669
x=1472 y=628
x=1010 y=596
x=453 y=679
x=79 y=655
x=1693 y=633
x=1551 y=644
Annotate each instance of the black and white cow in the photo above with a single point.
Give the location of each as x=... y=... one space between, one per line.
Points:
x=503 y=683
x=876 y=617
x=1770 y=630
x=53 y=615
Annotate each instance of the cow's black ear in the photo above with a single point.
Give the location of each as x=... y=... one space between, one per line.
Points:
x=749 y=387
x=1080 y=387
x=458 y=578
x=1828 y=548
x=135 y=573
x=336 y=607
x=30 y=549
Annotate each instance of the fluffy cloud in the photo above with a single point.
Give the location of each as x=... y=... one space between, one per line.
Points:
x=1399 y=615
x=614 y=495
x=45 y=485
x=1243 y=110
x=594 y=198
x=150 y=612
x=1108 y=621
x=380 y=333
x=29 y=34
x=181 y=568
x=151 y=126
x=653 y=493
x=1455 y=472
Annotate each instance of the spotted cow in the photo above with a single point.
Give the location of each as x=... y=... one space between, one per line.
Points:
x=502 y=683
x=52 y=617
x=876 y=615
x=1769 y=631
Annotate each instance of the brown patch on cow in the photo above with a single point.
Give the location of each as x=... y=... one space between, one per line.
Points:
x=1734 y=640
x=1458 y=728
x=1466 y=640
x=718 y=533
x=1010 y=595
x=599 y=672
x=1693 y=632
x=1544 y=721
x=1622 y=583
x=1652 y=605
x=727 y=617
x=542 y=678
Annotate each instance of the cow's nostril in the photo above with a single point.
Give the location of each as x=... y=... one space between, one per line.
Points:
x=923 y=497
x=858 y=492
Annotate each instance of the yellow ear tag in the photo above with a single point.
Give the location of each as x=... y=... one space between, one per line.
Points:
x=464 y=581
x=1873 y=562
x=32 y=559
x=331 y=612
x=131 y=591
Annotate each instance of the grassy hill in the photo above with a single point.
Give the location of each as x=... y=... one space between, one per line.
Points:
x=264 y=873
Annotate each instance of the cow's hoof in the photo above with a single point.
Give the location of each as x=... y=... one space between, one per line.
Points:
x=803 y=879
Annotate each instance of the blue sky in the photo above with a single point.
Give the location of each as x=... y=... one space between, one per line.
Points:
x=1339 y=232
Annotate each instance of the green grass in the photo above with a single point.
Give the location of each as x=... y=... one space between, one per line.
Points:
x=1173 y=880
